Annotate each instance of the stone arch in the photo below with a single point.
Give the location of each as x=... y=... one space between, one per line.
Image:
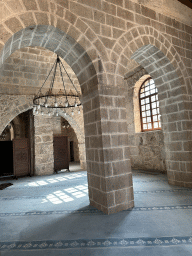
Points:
x=62 y=44
x=19 y=104
x=139 y=37
x=17 y=107
x=147 y=47
x=17 y=126
x=74 y=125
x=80 y=137
x=29 y=14
x=172 y=108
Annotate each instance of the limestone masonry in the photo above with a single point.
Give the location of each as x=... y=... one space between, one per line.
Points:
x=109 y=47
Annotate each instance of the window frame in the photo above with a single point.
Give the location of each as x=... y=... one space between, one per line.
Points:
x=150 y=103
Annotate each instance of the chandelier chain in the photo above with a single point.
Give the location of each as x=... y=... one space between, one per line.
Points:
x=69 y=77
x=47 y=76
x=62 y=79
x=54 y=73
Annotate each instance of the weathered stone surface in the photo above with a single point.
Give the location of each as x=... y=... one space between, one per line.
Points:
x=11 y=106
x=115 y=22
x=15 y=5
x=31 y=65
x=5 y=35
x=62 y=25
x=109 y=8
x=30 y=4
x=27 y=19
x=70 y=17
x=81 y=10
x=63 y=3
x=44 y=147
x=42 y=18
x=146 y=148
x=43 y=4
x=4 y=11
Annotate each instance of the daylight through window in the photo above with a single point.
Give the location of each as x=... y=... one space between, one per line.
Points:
x=149 y=106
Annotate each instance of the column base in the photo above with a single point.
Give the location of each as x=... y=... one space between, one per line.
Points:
x=45 y=169
x=181 y=179
x=113 y=209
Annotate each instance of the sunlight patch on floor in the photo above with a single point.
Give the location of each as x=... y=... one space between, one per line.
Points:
x=54 y=180
x=69 y=194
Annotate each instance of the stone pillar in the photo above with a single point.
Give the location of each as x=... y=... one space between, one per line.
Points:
x=43 y=132
x=82 y=157
x=107 y=152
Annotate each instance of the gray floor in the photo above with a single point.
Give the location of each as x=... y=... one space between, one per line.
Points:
x=50 y=215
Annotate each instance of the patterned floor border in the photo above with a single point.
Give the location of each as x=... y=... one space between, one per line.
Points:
x=149 y=181
x=163 y=191
x=135 y=192
x=94 y=211
x=96 y=243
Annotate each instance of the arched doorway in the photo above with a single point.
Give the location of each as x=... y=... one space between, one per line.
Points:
x=21 y=127
x=151 y=50
x=102 y=157
x=147 y=149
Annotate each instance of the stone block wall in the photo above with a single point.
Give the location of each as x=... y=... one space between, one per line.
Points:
x=69 y=132
x=45 y=128
x=11 y=106
x=76 y=122
x=26 y=69
x=147 y=151
x=21 y=125
x=43 y=133
x=107 y=152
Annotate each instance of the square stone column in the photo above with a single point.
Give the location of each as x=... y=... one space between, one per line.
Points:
x=106 y=139
x=43 y=133
x=45 y=127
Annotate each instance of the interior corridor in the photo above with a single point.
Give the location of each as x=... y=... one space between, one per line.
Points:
x=50 y=215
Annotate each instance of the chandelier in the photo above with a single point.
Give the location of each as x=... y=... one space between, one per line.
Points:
x=50 y=101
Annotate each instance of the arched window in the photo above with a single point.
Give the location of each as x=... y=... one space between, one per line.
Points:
x=149 y=106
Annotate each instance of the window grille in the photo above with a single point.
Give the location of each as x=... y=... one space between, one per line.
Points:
x=149 y=106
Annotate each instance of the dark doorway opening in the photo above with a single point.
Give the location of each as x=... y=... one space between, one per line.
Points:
x=72 y=151
x=61 y=155
x=6 y=157
x=17 y=146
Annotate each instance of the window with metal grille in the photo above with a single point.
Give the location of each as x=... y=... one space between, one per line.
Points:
x=149 y=106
